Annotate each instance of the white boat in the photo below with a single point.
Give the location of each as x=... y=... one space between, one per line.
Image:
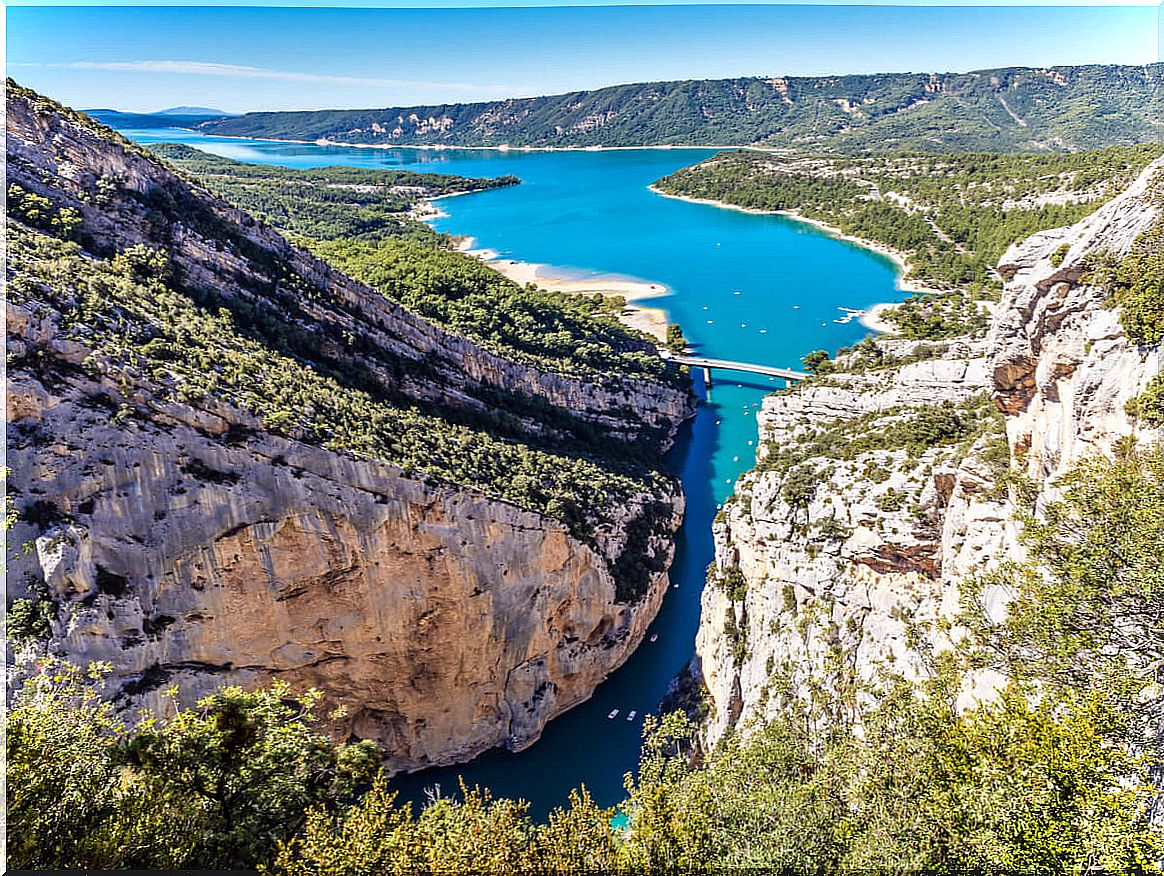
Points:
x=655 y=636
x=631 y=715
x=612 y=715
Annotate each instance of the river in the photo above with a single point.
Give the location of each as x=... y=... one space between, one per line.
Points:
x=755 y=288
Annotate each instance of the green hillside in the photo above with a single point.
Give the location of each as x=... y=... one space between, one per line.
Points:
x=1010 y=109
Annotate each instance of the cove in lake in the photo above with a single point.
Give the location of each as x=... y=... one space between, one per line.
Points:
x=754 y=288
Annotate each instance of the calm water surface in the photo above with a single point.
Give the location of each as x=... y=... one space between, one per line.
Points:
x=762 y=289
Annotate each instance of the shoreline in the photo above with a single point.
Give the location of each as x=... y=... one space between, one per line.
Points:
x=504 y=147
x=652 y=321
x=871 y=319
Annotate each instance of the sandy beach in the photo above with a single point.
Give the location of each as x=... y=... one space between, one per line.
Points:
x=649 y=320
x=873 y=320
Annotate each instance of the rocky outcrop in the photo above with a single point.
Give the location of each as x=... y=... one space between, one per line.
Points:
x=186 y=544
x=831 y=581
x=821 y=583
x=1063 y=368
x=445 y=621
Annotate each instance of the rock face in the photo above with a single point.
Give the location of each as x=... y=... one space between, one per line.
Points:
x=823 y=585
x=1063 y=369
x=188 y=545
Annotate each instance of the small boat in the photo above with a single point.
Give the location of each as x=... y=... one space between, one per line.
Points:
x=743 y=325
x=631 y=715
x=612 y=715
x=736 y=292
x=763 y=331
x=796 y=307
x=655 y=636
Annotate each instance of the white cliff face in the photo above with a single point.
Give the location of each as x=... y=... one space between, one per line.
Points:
x=447 y=622
x=1062 y=366
x=833 y=588
x=807 y=599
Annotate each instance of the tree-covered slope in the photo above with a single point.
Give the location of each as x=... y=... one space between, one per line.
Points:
x=1061 y=108
x=360 y=222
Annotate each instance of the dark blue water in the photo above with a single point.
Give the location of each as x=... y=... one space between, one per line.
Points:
x=762 y=289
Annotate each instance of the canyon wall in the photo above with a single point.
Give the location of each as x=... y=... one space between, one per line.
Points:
x=186 y=543
x=877 y=488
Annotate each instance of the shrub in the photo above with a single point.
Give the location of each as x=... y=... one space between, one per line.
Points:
x=1148 y=406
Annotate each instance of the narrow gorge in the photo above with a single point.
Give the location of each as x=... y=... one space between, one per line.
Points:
x=234 y=463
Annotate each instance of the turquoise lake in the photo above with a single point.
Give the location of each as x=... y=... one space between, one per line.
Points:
x=761 y=289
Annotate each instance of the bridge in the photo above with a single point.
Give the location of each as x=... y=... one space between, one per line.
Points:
x=725 y=365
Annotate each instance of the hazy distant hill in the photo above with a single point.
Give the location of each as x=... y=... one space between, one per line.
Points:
x=1060 y=108
x=164 y=119
x=191 y=111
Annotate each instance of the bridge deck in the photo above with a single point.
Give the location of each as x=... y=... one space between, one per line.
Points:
x=724 y=364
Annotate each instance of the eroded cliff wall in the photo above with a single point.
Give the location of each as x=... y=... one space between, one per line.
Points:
x=878 y=490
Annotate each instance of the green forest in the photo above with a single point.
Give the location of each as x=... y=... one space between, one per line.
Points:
x=327 y=202
x=1007 y=109
x=1050 y=777
x=133 y=315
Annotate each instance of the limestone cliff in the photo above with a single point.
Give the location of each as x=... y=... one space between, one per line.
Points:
x=877 y=489
x=187 y=541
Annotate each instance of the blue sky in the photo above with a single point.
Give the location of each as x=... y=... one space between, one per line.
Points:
x=248 y=58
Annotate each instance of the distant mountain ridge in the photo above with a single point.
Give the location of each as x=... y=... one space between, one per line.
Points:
x=163 y=119
x=1008 y=109
x=191 y=111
